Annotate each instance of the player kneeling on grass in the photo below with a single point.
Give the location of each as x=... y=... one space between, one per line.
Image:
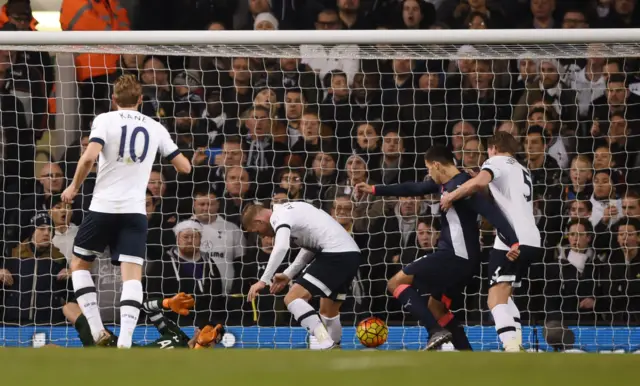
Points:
x=171 y=336
x=336 y=259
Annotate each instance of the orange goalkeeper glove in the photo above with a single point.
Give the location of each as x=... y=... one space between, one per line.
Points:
x=180 y=304
x=209 y=336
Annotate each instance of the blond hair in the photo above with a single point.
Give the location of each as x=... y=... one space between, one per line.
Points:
x=249 y=214
x=583 y=158
x=127 y=91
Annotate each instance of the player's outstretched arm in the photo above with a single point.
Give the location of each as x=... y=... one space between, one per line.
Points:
x=476 y=183
x=85 y=164
x=280 y=247
x=407 y=189
x=181 y=164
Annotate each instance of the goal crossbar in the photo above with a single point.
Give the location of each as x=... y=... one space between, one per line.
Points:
x=422 y=44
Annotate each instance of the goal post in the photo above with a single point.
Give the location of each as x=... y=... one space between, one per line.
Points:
x=340 y=107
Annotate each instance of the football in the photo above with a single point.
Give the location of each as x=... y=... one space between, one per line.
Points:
x=372 y=332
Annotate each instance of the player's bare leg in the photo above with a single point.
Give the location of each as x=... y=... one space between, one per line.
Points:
x=297 y=302
x=401 y=286
x=330 y=316
x=498 y=302
x=130 y=302
x=87 y=298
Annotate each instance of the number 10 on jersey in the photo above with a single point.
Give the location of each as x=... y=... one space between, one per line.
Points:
x=132 y=157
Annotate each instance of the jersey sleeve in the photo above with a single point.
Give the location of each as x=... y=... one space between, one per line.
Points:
x=168 y=148
x=407 y=189
x=99 y=130
x=280 y=219
x=493 y=167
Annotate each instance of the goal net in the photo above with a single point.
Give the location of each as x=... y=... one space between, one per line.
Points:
x=273 y=116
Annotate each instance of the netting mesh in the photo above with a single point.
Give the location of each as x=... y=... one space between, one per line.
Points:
x=353 y=51
x=271 y=123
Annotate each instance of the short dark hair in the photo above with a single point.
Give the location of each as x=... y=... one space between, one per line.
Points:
x=536 y=129
x=203 y=189
x=630 y=193
x=548 y=115
x=431 y=222
x=297 y=90
x=328 y=78
x=441 y=154
x=233 y=139
x=584 y=222
x=504 y=143
x=587 y=203
x=635 y=223
x=617 y=78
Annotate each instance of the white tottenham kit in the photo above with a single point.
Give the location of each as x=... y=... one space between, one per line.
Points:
x=512 y=190
x=130 y=143
x=310 y=228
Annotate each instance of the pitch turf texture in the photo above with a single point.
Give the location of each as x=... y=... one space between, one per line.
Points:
x=98 y=367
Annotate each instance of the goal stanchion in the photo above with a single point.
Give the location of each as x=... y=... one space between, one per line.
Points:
x=268 y=116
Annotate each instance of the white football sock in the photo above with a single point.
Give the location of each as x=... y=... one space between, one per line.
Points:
x=504 y=325
x=87 y=299
x=333 y=326
x=515 y=314
x=130 y=304
x=309 y=319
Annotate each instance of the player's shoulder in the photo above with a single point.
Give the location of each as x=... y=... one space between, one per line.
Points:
x=103 y=119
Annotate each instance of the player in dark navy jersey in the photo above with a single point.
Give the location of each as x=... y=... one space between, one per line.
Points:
x=445 y=272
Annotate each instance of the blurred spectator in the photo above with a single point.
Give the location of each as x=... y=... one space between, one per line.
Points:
x=570 y=289
x=581 y=175
x=417 y=14
x=575 y=18
x=183 y=269
x=590 y=84
x=620 y=275
x=94 y=72
x=64 y=231
x=395 y=164
x=556 y=92
x=239 y=191
x=460 y=132
x=607 y=207
x=222 y=241
x=352 y=16
x=322 y=61
x=542 y=11
x=19 y=14
x=239 y=96
x=473 y=154
x=27 y=83
x=488 y=12
x=34 y=277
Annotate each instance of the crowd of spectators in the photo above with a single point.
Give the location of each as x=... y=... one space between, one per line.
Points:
x=310 y=128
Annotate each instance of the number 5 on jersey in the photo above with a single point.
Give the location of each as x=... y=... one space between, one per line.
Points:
x=527 y=181
x=132 y=156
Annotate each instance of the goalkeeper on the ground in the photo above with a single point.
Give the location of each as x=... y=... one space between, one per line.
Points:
x=171 y=336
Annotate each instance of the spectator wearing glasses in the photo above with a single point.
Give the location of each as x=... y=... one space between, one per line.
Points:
x=323 y=59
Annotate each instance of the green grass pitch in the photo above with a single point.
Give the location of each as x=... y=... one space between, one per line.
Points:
x=98 y=367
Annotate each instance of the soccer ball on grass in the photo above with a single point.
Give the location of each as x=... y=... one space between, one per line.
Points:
x=372 y=332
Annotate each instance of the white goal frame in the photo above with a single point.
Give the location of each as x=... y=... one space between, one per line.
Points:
x=373 y=44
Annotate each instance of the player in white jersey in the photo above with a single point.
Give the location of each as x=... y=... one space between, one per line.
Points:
x=125 y=143
x=332 y=256
x=512 y=189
